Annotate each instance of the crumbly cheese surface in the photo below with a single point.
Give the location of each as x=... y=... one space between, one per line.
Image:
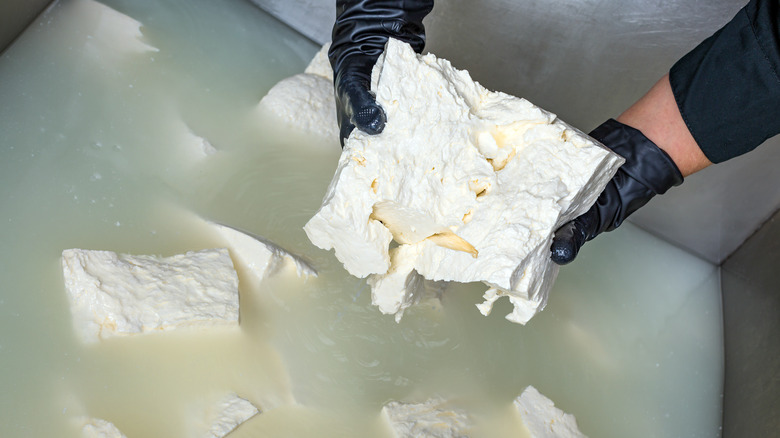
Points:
x=471 y=184
x=543 y=419
x=261 y=256
x=115 y=294
x=402 y=287
x=97 y=428
x=306 y=101
x=430 y=419
x=227 y=415
x=320 y=65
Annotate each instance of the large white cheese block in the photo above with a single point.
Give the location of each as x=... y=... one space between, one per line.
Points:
x=543 y=419
x=306 y=102
x=115 y=294
x=226 y=415
x=261 y=256
x=432 y=419
x=97 y=428
x=471 y=184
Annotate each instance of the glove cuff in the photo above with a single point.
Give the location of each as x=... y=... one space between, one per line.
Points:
x=645 y=162
x=362 y=27
x=648 y=171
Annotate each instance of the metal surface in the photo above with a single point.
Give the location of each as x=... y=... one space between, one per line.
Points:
x=750 y=283
x=312 y=18
x=588 y=60
x=15 y=16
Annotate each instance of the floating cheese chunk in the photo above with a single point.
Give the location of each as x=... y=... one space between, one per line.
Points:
x=306 y=101
x=97 y=428
x=114 y=294
x=226 y=415
x=429 y=419
x=197 y=146
x=471 y=184
x=543 y=419
x=320 y=64
x=262 y=257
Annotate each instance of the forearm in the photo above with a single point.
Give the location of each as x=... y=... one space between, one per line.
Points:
x=657 y=116
x=727 y=88
x=720 y=100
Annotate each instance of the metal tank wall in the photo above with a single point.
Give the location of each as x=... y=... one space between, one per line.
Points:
x=750 y=284
x=15 y=16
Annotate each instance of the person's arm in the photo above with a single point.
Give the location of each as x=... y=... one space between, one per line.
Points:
x=719 y=101
x=656 y=115
x=360 y=33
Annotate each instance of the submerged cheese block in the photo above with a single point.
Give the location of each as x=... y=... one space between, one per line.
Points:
x=226 y=415
x=261 y=256
x=432 y=418
x=115 y=294
x=305 y=102
x=193 y=147
x=471 y=184
x=543 y=419
x=110 y=37
x=97 y=428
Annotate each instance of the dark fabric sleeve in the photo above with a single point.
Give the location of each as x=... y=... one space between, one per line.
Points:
x=362 y=27
x=728 y=88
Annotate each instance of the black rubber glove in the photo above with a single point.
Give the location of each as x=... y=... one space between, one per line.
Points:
x=648 y=171
x=359 y=35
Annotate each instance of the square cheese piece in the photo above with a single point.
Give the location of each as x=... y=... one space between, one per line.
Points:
x=226 y=415
x=428 y=419
x=470 y=183
x=116 y=294
x=543 y=419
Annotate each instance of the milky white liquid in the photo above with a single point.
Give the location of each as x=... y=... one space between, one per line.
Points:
x=100 y=149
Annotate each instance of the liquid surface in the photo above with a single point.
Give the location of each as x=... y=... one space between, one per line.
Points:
x=100 y=148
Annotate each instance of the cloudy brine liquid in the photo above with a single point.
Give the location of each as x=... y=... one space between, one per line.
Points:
x=121 y=126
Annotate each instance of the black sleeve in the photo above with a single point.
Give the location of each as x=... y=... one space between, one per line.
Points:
x=362 y=27
x=728 y=87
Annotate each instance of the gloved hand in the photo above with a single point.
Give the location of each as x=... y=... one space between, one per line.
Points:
x=648 y=171
x=360 y=32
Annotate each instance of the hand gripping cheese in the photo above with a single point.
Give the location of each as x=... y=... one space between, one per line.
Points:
x=428 y=419
x=470 y=183
x=115 y=294
x=543 y=419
